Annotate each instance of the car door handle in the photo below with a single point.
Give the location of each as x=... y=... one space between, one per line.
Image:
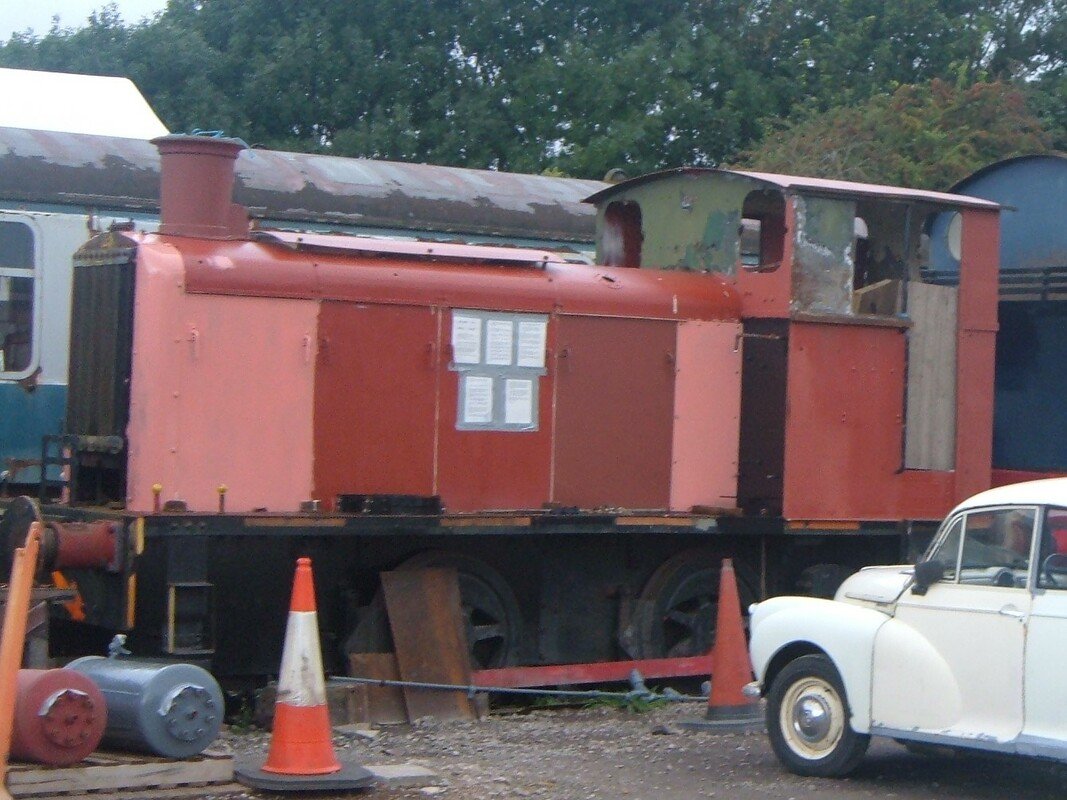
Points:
x=1011 y=611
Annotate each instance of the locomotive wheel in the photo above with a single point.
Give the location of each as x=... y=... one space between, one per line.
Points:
x=676 y=613
x=490 y=612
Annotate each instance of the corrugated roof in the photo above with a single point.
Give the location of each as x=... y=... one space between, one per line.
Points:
x=93 y=104
x=49 y=167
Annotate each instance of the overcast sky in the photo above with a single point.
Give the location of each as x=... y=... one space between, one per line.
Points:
x=18 y=15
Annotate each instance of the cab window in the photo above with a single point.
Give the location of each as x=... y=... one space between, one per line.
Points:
x=16 y=297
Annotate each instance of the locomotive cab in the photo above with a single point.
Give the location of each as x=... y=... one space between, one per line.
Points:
x=857 y=366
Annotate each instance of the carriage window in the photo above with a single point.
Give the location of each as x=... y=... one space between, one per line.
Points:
x=16 y=297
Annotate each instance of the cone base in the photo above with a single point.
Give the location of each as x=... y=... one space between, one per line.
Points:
x=350 y=776
x=746 y=718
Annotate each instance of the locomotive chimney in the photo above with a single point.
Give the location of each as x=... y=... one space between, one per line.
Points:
x=196 y=187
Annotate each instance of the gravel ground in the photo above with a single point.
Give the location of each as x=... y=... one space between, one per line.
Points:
x=603 y=752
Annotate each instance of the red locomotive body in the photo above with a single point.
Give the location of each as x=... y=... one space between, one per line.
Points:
x=757 y=370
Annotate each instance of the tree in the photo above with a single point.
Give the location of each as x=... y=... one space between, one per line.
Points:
x=924 y=136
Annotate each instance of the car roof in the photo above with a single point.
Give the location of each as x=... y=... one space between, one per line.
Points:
x=1048 y=492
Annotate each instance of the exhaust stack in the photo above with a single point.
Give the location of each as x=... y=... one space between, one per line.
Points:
x=196 y=187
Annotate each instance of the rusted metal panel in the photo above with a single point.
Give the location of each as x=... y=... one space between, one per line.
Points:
x=614 y=412
x=55 y=168
x=426 y=621
x=823 y=256
x=844 y=426
x=375 y=396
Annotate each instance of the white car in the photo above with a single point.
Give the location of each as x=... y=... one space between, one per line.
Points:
x=967 y=648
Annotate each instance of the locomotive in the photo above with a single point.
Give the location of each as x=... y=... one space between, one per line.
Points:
x=757 y=366
x=57 y=188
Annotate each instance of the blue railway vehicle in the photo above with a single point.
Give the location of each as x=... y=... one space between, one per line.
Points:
x=1030 y=398
x=58 y=189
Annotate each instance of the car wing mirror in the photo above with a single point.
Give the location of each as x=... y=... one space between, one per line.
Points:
x=927 y=573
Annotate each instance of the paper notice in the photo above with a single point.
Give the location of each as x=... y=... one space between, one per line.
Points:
x=477 y=400
x=466 y=339
x=518 y=402
x=532 y=335
x=498 y=337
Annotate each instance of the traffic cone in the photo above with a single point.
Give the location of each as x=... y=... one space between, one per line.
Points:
x=728 y=707
x=301 y=755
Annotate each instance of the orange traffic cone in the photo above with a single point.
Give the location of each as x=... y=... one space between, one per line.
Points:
x=301 y=755
x=728 y=707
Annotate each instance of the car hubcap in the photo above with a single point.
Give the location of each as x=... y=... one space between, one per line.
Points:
x=812 y=718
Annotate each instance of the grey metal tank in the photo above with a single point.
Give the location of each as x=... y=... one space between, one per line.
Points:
x=171 y=710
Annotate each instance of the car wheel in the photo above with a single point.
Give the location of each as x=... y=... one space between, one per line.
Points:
x=808 y=720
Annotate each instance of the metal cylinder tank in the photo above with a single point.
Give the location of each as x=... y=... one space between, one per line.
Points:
x=60 y=716
x=172 y=710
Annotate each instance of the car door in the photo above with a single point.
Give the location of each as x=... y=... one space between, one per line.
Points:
x=950 y=663
x=1045 y=725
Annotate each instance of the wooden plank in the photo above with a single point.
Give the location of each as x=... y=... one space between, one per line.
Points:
x=881 y=298
x=107 y=772
x=426 y=619
x=153 y=793
x=930 y=432
x=366 y=703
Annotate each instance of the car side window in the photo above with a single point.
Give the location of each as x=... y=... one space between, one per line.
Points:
x=948 y=551
x=996 y=547
x=1053 y=557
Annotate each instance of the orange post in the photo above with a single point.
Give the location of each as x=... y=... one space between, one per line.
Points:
x=12 y=639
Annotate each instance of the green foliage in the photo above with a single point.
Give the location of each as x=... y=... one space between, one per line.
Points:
x=535 y=85
x=927 y=136
x=630 y=702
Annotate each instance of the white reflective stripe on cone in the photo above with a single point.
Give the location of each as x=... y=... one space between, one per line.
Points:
x=300 y=679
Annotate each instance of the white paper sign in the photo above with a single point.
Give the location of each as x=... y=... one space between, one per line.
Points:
x=518 y=402
x=466 y=339
x=498 y=338
x=532 y=337
x=477 y=399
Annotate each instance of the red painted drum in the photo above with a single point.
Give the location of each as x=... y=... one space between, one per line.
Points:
x=60 y=716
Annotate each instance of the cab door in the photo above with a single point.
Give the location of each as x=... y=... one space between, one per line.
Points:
x=950 y=665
